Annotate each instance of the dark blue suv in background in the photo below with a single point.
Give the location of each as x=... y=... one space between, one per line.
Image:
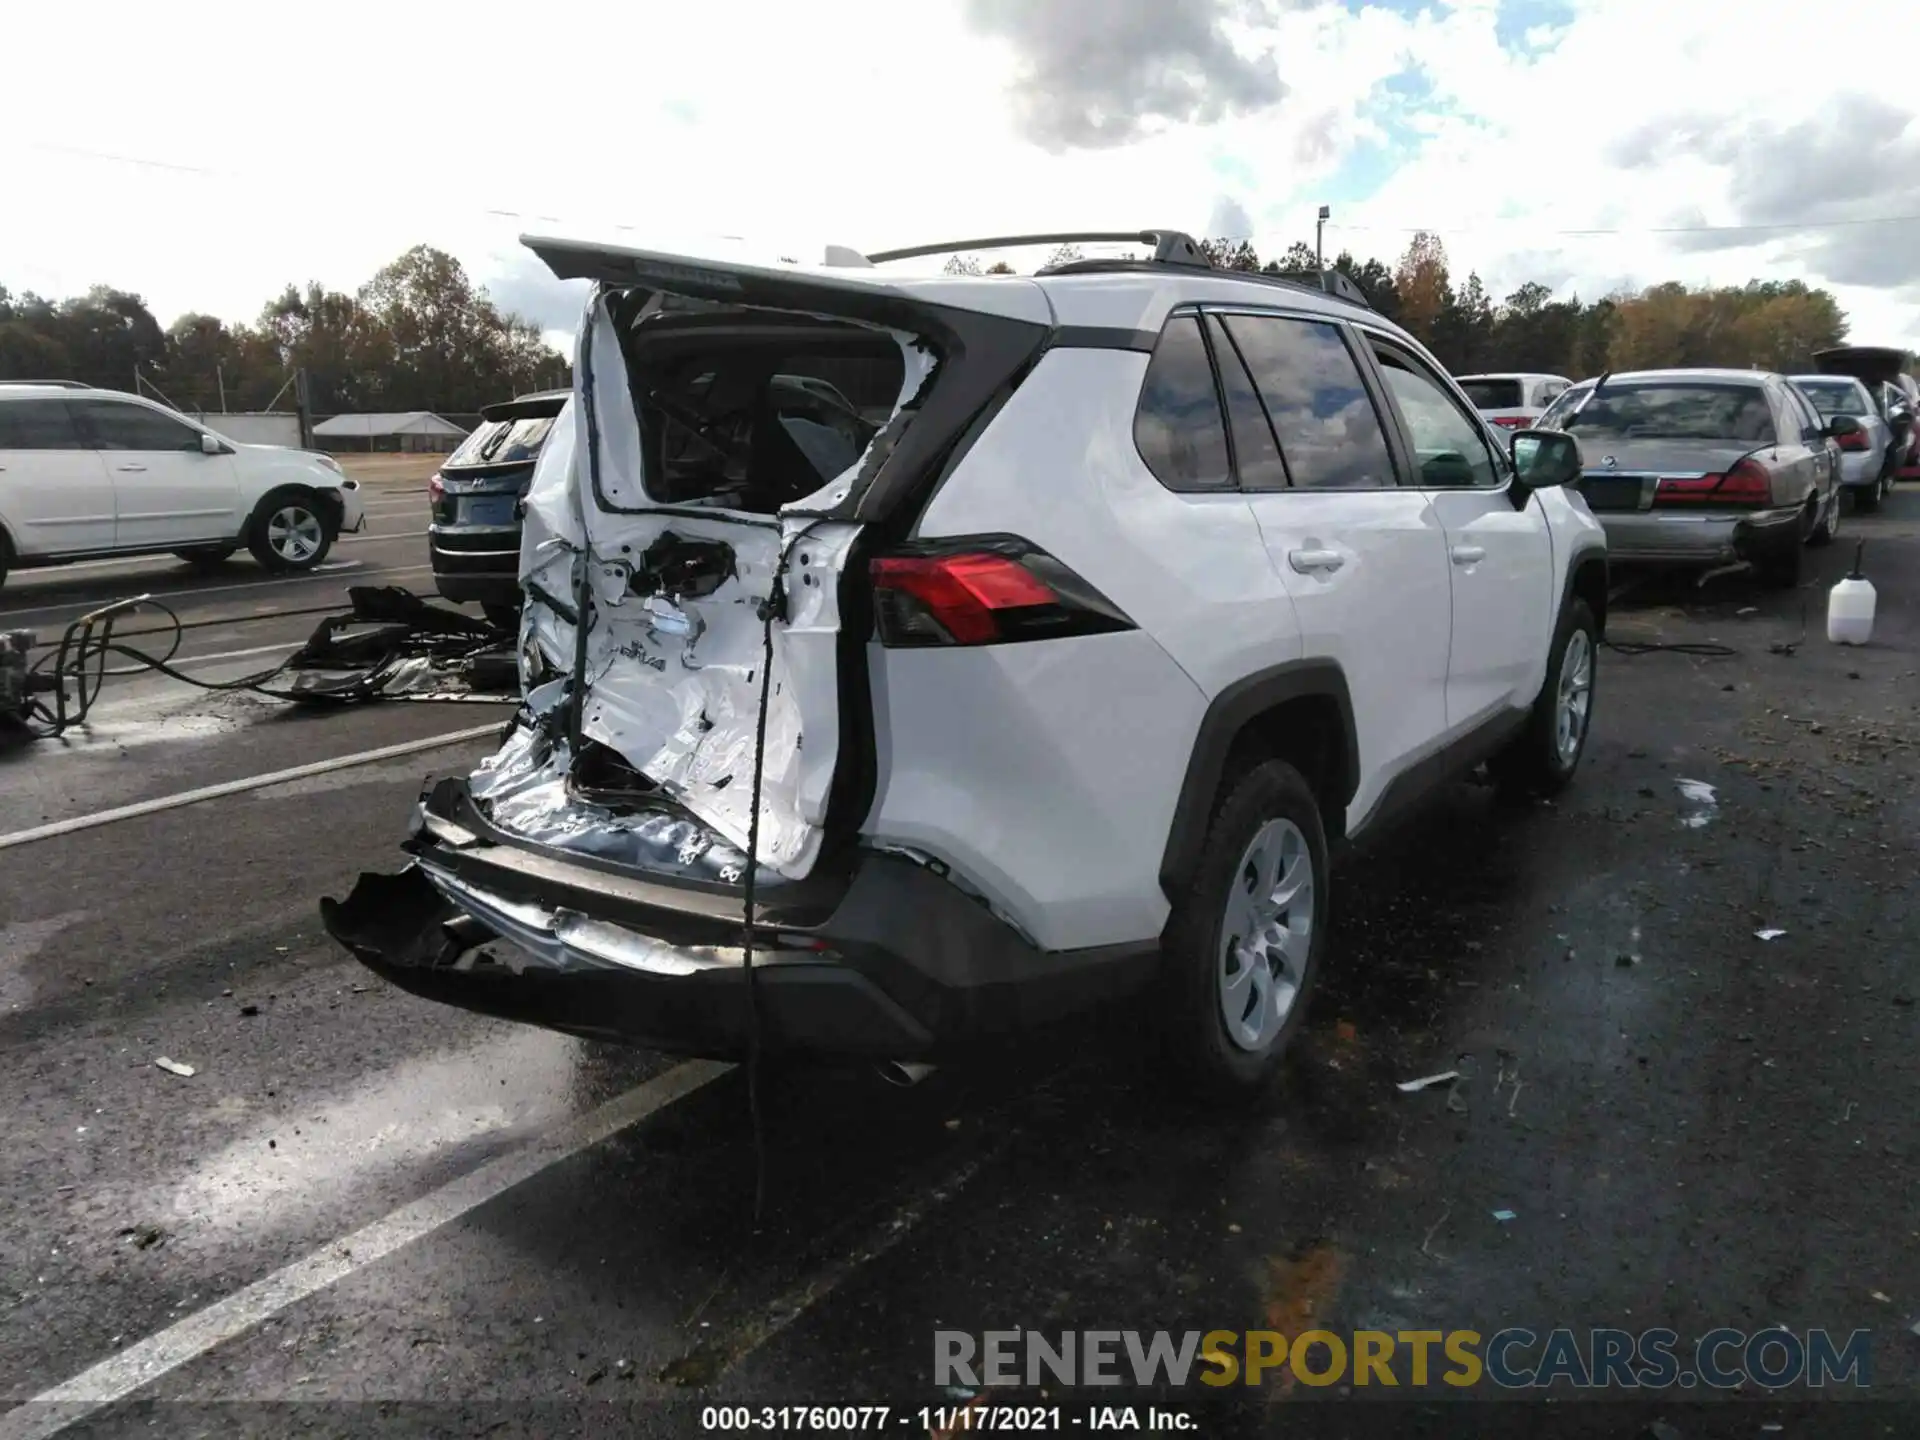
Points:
x=474 y=534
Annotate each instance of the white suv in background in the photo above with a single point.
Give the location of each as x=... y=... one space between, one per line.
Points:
x=1148 y=587
x=1513 y=401
x=86 y=473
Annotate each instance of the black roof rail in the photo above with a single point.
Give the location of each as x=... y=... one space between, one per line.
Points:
x=1170 y=247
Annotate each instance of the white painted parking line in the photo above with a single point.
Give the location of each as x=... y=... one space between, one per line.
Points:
x=323 y=572
x=140 y=1364
x=236 y=787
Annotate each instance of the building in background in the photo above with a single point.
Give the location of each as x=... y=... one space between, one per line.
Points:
x=411 y=431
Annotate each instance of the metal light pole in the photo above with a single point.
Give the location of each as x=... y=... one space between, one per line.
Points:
x=1319 y=249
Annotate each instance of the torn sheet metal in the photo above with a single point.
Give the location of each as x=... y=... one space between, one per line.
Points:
x=679 y=629
x=524 y=788
x=393 y=645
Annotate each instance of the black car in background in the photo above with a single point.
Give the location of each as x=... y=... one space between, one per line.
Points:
x=474 y=534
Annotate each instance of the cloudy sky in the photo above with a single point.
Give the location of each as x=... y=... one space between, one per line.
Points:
x=204 y=153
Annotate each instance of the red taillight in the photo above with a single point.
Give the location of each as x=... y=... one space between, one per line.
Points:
x=958 y=593
x=435 y=490
x=1747 y=483
x=983 y=597
x=1856 y=440
x=1514 y=422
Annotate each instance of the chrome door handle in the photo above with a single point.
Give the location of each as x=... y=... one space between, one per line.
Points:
x=1468 y=554
x=130 y=467
x=1308 y=561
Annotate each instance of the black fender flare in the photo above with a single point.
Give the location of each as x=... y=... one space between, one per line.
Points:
x=1228 y=714
x=1584 y=555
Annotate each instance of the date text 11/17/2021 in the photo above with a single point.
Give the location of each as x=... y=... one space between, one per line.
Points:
x=943 y=1419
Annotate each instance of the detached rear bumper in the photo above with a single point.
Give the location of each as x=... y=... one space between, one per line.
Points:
x=889 y=961
x=1679 y=538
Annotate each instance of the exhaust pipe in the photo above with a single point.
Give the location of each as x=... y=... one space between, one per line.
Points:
x=904 y=1072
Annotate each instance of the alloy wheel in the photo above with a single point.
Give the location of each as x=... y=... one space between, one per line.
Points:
x=1266 y=935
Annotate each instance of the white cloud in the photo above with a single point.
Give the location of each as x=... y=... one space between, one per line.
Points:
x=320 y=148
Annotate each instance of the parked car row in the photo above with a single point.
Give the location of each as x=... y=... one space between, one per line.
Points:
x=1708 y=467
x=1726 y=467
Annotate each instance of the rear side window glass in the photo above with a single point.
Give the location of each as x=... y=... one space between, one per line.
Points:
x=1328 y=430
x=1256 y=458
x=37 y=425
x=116 y=426
x=1178 y=428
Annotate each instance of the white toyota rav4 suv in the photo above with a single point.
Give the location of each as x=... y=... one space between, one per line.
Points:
x=86 y=473
x=1119 y=598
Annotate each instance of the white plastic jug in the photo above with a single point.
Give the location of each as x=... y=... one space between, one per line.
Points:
x=1850 y=606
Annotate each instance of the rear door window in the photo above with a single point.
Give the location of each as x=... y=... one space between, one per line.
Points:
x=1178 y=428
x=38 y=425
x=1256 y=455
x=1321 y=413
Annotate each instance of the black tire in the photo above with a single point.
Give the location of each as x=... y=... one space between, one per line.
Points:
x=1535 y=762
x=207 y=557
x=1867 y=501
x=501 y=614
x=6 y=557
x=1208 y=1061
x=315 y=525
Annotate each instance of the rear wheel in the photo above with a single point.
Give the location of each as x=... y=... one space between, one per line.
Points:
x=1242 y=948
x=290 y=531
x=1543 y=757
x=207 y=557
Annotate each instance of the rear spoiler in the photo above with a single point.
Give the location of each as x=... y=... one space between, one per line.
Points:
x=527 y=407
x=1875 y=364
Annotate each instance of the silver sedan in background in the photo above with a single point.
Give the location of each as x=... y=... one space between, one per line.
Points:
x=1867 y=458
x=1706 y=467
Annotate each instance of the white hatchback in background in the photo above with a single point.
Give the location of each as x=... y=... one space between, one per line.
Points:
x=88 y=473
x=1868 y=462
x=1513 y=402
x=1149 y=586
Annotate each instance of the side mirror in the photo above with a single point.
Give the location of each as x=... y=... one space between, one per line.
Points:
x=210 y=444
x=1543 y=458
x=1840 y=425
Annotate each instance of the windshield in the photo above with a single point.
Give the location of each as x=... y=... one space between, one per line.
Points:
x=1673 y=410
x=1836 y=397
x=1494 y=394
x=502 y=442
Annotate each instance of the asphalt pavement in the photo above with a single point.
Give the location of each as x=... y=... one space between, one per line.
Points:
x=363 y=1212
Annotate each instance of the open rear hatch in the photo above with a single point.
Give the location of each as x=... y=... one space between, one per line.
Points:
x=1875 y=364
x=739 y=439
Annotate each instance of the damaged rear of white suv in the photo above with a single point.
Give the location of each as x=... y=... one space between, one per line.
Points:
x=901 y=560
